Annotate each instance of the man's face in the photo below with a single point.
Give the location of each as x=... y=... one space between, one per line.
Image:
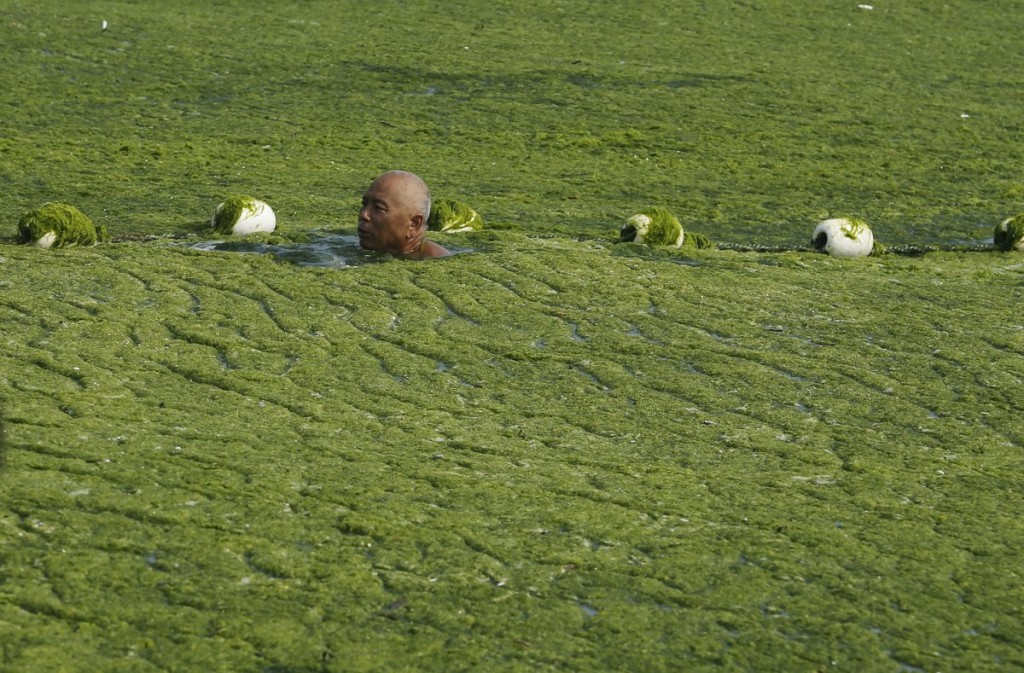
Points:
x=384 y=219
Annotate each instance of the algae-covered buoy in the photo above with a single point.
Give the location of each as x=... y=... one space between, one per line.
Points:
x=843 y=237
x=59 y=225
x=242 y=215
x=451 y=216
x=1009 y=234
x=653 y=226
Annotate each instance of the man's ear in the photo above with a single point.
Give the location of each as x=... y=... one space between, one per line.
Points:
x=417 y=222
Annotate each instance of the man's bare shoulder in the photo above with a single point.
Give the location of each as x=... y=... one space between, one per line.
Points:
x=431 y=249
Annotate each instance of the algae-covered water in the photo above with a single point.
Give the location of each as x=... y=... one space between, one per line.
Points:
x=550 y=451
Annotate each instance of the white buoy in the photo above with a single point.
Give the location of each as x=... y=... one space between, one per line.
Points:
x=243 y=215
x=843 y=237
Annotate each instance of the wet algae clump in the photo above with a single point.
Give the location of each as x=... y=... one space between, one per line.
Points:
x=653 y=226
x=1009 y=234
x=692 y=239
x=59 y=225
x=658 y=226
x=230 y=211
x=451 y=216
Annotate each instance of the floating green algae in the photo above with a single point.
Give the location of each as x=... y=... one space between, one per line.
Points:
x=553 y=453
x=453 y=216
x=59 y=225
x=590 y=120
x=733 y=449
x=692 y=239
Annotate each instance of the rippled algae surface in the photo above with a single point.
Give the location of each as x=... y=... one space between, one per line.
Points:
x=549 y=452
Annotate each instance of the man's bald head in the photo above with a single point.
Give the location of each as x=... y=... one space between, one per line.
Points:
x=394 y=216
x=410 y=188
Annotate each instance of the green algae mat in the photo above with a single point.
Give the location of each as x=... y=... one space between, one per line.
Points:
x=549 y=451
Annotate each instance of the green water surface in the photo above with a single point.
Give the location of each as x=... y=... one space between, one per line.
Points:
x=548 y=452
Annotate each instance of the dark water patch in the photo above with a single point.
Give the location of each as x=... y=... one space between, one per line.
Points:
x=574 y=332
x=685 y=261
x=581 y=369
x=334 y=251
x=225 y=362
x=635 y=331
x=452 y=311
x=694 y=369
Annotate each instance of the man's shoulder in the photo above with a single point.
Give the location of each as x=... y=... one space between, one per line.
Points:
x=431 y=249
